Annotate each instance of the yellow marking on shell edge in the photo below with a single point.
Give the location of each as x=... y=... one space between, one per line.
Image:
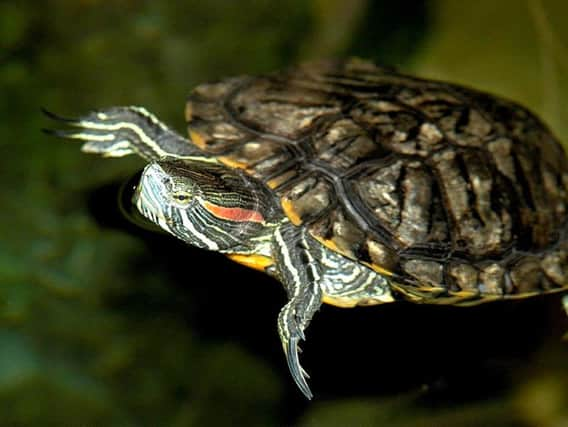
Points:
x=188 y=111
x=197 y=139
x=379 y=269
x=278 y=180
x=227 y=161
x=257 y=262
x=345 y=302
x=464 y=294
x=330 y=244
x=338 y=301
x=273 y=183
x=407 y=293
x=288 y=208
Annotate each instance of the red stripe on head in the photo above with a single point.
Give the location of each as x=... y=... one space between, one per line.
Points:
x=234 y=214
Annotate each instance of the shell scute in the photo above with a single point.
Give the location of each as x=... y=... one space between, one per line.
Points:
x=555 y=267
x=282 y=110
x=492 y=280
x=381 y=258
x=339 y=232
x=527 y=275
x=343 y=144
x=427 y=273
x=465 y=277
x=261 y=157
x=310 y=198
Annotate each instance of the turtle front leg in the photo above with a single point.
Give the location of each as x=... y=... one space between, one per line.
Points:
x=300 y=274
x=120 y=131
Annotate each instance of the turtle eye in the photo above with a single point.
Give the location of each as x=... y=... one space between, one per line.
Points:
x=181 y=197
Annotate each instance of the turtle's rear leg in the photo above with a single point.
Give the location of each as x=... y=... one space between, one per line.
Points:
x=120 y=131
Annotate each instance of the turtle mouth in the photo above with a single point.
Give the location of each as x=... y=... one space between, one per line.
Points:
x=152 y=193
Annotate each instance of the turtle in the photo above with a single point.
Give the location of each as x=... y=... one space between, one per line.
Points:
x=353 y=185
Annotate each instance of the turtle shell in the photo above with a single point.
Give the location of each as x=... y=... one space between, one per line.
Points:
x=455 y=194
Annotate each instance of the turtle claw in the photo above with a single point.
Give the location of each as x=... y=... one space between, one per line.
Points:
x=80 y=135
x=298 y=373
x=97 y=136
x=59 y=118
x=291 y=332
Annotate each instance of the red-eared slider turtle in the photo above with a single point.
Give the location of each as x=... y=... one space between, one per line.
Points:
x=354 y=185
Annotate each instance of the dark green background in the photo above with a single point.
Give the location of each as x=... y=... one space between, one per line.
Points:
x=104 y=324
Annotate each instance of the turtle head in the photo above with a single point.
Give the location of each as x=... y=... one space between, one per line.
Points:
x=204 y=203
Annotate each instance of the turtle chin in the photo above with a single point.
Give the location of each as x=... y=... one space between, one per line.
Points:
x=152 y=195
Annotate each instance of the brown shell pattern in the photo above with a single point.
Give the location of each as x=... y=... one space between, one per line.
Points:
x=453 y=192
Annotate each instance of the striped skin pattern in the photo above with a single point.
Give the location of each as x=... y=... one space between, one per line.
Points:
x=185 y=198
x=178 y=195
x=296 y=264
x=354 y=185
x=121 y=131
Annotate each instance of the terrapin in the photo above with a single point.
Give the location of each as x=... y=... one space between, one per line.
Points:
x=354 y=185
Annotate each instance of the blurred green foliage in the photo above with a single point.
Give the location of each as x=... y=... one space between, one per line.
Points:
x=93 y=331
